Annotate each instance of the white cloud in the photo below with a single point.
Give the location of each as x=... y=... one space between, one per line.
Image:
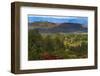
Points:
x=64 y=17
x=57 y=17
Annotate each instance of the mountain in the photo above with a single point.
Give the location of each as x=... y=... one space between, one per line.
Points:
x=71 y=27
x=48 y=27
x=41 y=25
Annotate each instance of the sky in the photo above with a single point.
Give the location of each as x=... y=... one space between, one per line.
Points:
x=58 y=19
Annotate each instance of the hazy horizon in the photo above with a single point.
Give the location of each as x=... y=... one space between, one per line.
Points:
x=58 y=19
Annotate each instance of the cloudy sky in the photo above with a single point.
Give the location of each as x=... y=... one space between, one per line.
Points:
x=58 y=19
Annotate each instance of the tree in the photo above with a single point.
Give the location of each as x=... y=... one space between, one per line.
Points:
x=34 y=44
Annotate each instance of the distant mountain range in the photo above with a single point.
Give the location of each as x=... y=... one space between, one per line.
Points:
x=48 y=27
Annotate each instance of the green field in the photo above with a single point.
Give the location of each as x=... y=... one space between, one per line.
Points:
x=46 y=46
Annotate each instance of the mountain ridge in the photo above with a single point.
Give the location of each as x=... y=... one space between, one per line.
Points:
x=46 y=27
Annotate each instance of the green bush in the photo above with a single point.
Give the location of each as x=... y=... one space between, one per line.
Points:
x=65 y=46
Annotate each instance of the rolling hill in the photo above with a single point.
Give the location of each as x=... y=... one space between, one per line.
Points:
x=48 y=27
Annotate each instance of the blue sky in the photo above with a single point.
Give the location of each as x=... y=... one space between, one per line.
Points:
x=58 y=19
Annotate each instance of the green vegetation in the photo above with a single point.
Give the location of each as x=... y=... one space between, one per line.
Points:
x=42 y=46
